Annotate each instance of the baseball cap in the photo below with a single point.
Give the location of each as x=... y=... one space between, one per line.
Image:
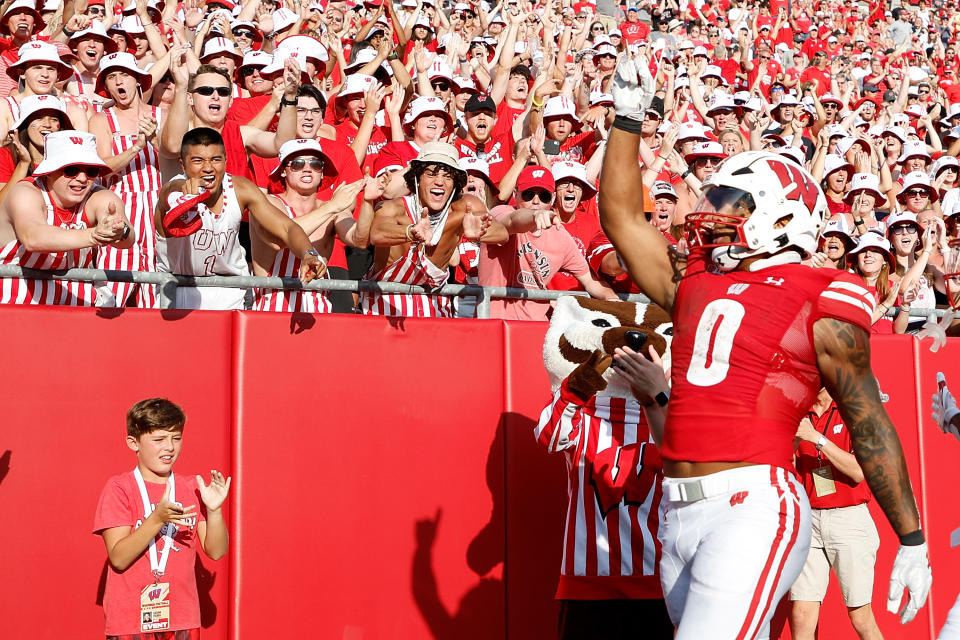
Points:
x=662 y=188
x=536 y=177
x=566 y=170
x=480 y=102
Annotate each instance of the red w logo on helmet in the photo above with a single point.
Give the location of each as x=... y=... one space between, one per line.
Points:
x=799 y=185
x=76 y=140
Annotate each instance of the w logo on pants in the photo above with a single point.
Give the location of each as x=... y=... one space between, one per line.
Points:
x=738 y=498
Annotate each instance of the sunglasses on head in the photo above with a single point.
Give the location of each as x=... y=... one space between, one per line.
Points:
x=543 y=195
x=298 y=164
x=74 y=170
x=223 y=92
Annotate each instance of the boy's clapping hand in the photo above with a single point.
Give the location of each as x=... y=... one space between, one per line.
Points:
x=215 y=493
x=167 y=511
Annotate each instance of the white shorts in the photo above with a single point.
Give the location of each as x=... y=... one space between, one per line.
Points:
x=733 y=543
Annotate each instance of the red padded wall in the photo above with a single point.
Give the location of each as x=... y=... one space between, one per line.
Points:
x=386 y=479
x=941 y=459
x=371 y=477
x=68 y=379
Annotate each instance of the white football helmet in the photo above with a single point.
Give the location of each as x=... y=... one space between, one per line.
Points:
x=757 y=203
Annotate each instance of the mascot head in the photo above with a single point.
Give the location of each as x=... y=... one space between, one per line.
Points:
x=580 y=327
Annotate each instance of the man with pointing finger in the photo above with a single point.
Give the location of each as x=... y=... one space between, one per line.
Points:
x=57 y=219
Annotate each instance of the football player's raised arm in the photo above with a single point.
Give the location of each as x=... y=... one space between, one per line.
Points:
x=641 y=247
x=843 y=357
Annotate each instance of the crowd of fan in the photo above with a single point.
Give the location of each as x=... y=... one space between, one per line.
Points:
x=863 y=96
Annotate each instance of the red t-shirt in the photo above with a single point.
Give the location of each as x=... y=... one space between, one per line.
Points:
x=120 y=505
x=497 y=151
x=347 y=133
x=848 y=493
x=578 y=147
x=773 y=70
x=822 y=77
x=506 y=116
x=633 y=32
x=243 y=110
x=584 y=228
x=742 y=397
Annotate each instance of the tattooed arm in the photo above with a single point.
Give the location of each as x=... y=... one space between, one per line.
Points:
x=843 y=357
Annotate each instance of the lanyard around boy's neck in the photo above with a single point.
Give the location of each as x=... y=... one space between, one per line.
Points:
x=157 y=567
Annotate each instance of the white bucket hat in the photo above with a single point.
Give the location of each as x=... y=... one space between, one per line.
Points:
x=39 y=51
x=126 y=62
x=562 y=107
x=424 y=105
x=864 y=182
x=298 y=146
x=872 y=240
x=95 y=30
x=917 y=179
x=32 y=104
x=218 y=46
x=283 y=18
x=914 y=149
x=255 y=59
x=69 y=148
x=356 y=83
x=832 y=162
x=310 y=47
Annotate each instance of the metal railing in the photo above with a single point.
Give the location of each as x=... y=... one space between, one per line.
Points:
x=168 y=283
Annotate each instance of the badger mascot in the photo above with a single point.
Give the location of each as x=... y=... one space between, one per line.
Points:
x=609 y=576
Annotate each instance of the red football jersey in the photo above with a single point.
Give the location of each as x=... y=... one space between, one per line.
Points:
x=744 y=362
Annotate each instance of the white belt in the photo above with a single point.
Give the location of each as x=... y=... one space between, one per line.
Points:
x=715 y=484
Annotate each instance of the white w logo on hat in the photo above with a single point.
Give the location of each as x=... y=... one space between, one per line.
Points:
x=537 y=174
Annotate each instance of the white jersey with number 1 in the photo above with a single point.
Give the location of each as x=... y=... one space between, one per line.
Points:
x=213 y=250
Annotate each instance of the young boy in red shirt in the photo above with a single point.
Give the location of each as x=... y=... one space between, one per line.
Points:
x=152 y=524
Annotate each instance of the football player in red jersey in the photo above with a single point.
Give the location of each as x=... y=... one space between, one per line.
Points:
x=755 y=332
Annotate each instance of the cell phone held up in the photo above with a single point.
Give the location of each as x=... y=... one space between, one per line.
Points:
x=551 y=147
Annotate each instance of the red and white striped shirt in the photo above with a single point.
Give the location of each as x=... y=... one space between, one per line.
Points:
x=286 y=264
x=413 y=267
x=26 y=291
x=138 y=186
x=610 y=546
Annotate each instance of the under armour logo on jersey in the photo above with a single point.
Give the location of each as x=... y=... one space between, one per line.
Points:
x=774 y=281
x=538 y=174
x=738 y=498
x=737 y=289
x=837 y=428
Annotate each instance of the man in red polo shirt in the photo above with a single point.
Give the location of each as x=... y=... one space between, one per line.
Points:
x=844 y=535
